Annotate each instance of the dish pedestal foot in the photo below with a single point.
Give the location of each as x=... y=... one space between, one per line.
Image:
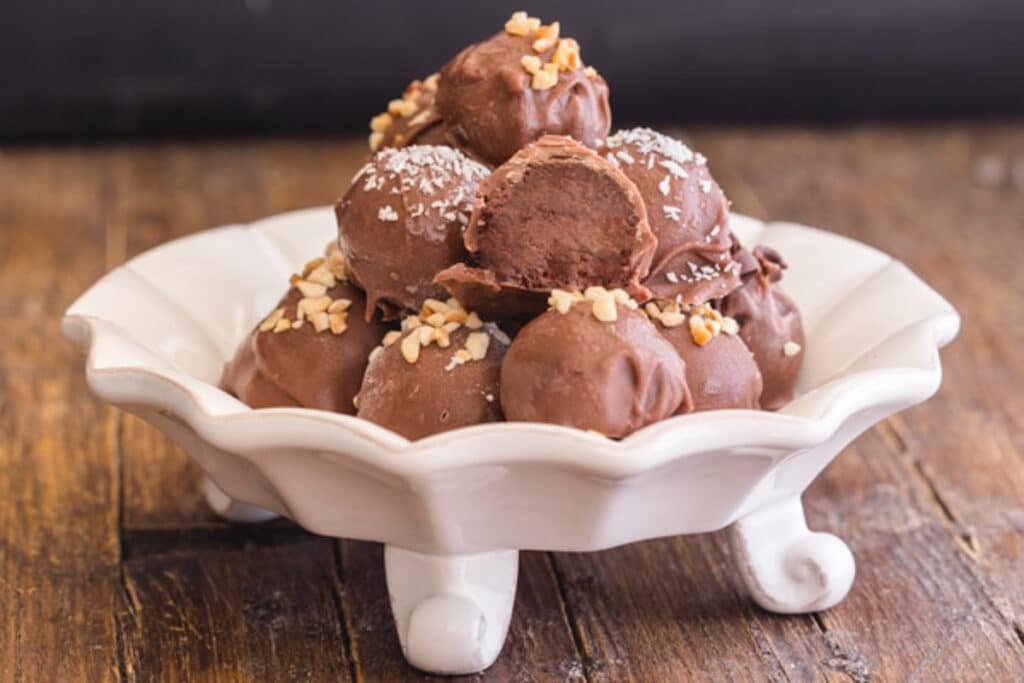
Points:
x=787 y=567
x=230 y=509
x=451 y=611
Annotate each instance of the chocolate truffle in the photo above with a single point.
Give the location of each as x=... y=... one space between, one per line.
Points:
x=499 y=95
x=439 y=372
x=402 y=221
x=770 y=324
x=687 y=212
x=411 y=120
x=308 y=352
x=592 y=362
x=720 y=370
x=557 y=216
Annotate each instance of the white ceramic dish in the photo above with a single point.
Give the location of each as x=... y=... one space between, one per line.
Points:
x=454 y=509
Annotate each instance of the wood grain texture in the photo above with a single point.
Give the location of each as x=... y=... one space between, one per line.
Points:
x=112 y=567
x=58 y=475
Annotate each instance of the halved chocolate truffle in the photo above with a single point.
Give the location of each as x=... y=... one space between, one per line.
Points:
x=308 y=352
x=402 y=220
x=770 y=324
x=439 y=372
x=498 y=95
x=592 y=362
x=555 y=216
x=720 y=370
x=687 y=212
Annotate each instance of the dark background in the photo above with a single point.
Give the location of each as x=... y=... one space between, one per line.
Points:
x=73 y=69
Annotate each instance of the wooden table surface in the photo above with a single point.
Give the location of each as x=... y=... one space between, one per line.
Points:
x=111 y=567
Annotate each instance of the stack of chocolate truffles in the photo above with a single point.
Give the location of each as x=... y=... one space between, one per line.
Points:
x=502 y=255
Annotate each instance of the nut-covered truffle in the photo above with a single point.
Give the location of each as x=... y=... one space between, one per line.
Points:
x=555 y=215
x=593 y=362
x=411 y=120
x=687 y=212
x=309 y=351
x=498 y=95
x=720 y=370
x=770 y=324
x=402 y=220
x=439 y=372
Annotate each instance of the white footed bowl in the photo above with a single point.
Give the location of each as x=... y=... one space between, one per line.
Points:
x=455 y=508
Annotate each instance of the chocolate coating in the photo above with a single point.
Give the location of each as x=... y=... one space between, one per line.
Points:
x=687 y=212
x=477 y=289
x=401 y=222
x=533 y=233
x=489 y=106
x=304 y=367
x=721 y=374
x=572 y=369
x=431 y=395
x=768 y=319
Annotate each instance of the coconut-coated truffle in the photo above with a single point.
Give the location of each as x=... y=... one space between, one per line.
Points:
x=687 y=212
x=402 y=221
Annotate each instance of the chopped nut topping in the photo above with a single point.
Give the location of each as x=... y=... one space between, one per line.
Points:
x=336 y=262
x=310 y=290
x=381 y=122
x=604 y=308
x=604 y=301
x=477 y=344
x=436 y=319
x=430 y=82
x=791 y=348
x=562 y=300
x=545 y=37
x=403 y=107
x=456 y=316
x=271 y=320
x=322 y=275
x=520 y=24
x=699 y=331
x=531 y=63
x=567 y=55
x=317 y=277
x=426 y=334
x=411 y=348
x=590 y=72
x=339 y=305
x=672 y=319
x=441 y=337
x=705 y=322
x=376 y=140
x=435 y=323
x=320 y=321
x=338 y=321
x=546 y=78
